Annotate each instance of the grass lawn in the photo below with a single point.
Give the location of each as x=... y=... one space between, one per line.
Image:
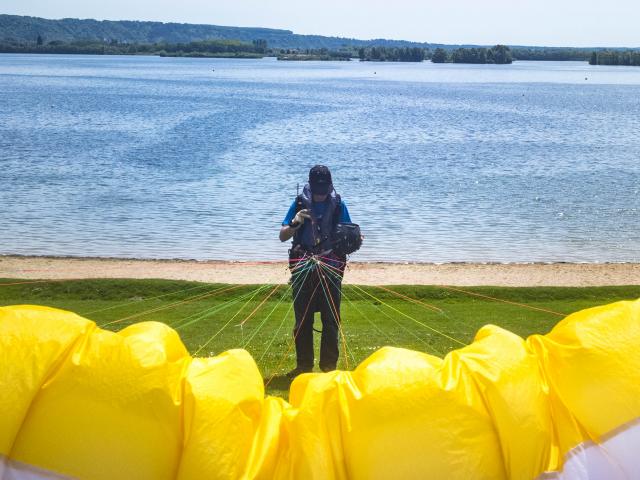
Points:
x=212 y=318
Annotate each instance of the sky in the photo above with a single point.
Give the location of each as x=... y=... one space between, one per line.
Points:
x=580 y=23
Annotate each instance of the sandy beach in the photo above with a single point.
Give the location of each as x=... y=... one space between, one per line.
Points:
x=460 y=274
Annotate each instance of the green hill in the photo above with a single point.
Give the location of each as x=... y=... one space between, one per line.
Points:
x=22 y=32
x=21 y=29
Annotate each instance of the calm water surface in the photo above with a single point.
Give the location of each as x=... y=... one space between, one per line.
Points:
x=196 y=158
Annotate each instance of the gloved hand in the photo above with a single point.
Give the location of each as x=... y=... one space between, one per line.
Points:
x=301 y=216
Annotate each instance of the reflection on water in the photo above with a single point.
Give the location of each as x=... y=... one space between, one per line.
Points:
x=167 y=158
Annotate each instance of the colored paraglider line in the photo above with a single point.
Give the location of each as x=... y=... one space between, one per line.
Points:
x=411 y=318
x=275 y=335
x=241 y=324
x=295 y=336
x=365 y=317
x=330 y=267
x=394 y=320
x=284 y=318
x=425 y=305
x=228 y=322
x=447 y=287
x=146 y=299
x=264 y=321
x=337 y=277
x=334 y=311
x=303 y=267
x=355 y=307
x=207 y=312
x=175 y=304
x=413 y=300
x=390 y=317
x=334 y=280
x=259 y=306
x=524 y=305
x=300 y=262
x=299 y=259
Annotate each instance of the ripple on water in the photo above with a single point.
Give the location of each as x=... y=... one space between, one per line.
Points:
x=161 y=158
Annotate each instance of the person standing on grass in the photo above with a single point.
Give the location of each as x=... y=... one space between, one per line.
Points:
x=316 y=268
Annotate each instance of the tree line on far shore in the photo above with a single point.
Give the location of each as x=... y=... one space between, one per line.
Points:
x=616 y=57
x=498 y=54
x=204 y=48
x=257 y=49
x=392 y=54
x=313 y=54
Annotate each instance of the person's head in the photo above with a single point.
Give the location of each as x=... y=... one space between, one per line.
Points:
x=320 y=182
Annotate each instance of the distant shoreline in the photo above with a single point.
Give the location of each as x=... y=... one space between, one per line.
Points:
x=363 y=273
x=274 y=56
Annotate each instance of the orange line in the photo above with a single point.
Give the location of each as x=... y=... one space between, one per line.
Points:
x=261 y=303
x=503 y=301
x=295 y=336
x=414 y=300
x=336 y=317
x=171 y=305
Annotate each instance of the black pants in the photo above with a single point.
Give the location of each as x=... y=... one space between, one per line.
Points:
x=311 y=294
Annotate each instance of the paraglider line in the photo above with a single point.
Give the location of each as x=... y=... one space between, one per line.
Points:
x=413 y=300
x=146 y=299
x=228 y=322
x=337 y=319
x=295 y=336
x=411 y=318
x=284 y=318
x=524 y=305
x=393 y=319
x=171 y=305
x=275 y=335
x=282 y=297
x=260 y=305
x=202 y=314
x=361 y=313
x=335 y=313
x=334 y=281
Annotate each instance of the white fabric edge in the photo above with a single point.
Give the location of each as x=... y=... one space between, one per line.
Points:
x=14 y=470
x=616 y=458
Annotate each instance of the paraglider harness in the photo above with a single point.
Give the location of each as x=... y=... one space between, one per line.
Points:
x=323 y=231
x=331 y=240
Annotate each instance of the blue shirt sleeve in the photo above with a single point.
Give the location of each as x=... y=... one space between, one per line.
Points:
x=344 y=213
x=290 y=214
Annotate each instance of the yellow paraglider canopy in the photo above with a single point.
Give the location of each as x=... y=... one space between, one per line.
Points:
x=78 y=401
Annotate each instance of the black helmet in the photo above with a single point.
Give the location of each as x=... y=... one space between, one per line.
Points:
x=320 y=180
x=346 y=238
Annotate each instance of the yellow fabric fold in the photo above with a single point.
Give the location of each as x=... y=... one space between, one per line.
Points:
x=92 y=404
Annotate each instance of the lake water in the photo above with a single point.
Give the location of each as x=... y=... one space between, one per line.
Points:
x=200 y=158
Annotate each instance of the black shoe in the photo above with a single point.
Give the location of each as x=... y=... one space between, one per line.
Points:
x=297 y=371
x=327 y=368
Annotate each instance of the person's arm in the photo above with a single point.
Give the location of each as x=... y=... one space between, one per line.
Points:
x=287 y=231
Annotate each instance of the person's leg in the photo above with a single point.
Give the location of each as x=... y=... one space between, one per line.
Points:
x=303 y=329
x=330 y=315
